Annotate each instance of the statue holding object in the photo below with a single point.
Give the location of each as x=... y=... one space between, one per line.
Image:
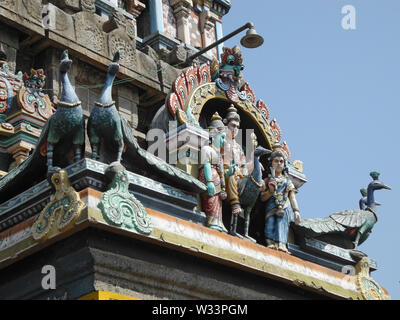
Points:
x=211 y=173
x=235 y=165
x=280 y=193
x=249 y=190
x=242 y=188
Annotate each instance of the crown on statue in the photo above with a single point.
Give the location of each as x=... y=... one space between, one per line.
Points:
x=36 y=80
x=374 y=175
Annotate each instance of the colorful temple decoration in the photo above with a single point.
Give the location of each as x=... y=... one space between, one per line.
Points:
x=83 y=191
x=196 y=85
x=169 y=20
x=24 y=110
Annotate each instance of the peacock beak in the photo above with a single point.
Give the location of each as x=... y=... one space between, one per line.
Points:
x=387 y=187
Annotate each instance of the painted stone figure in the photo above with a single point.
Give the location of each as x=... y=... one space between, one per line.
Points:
x=348 y=228
x=228 y=74
x=249 y=190
x=211 y=173
x=235 y=165
x=67 y=124
x=279 y=194
x=105 y=122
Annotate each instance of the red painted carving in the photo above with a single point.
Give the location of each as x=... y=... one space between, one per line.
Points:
x=235 y=51
x=191 y=78
x=3 y=96
x=286 y=149
x=6 y=126
x=263 y=108
x=276 y=130
x=173 y=104
x=249 y=92
x=35 y=102
x=180 y=89
x=203 y=73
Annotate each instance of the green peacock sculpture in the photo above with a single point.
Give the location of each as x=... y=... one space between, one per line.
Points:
x=346 y=229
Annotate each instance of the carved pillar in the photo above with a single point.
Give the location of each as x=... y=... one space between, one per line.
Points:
x=207 y=23
x=135 y=8
x=182 y=11
x=20 y=152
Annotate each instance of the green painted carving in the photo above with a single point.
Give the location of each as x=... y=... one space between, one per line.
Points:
x=348 y=228
x=121 y=208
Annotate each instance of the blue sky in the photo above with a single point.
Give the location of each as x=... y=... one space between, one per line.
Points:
x=335 y=94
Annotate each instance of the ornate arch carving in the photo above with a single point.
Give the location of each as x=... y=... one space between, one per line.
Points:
x=194 y=87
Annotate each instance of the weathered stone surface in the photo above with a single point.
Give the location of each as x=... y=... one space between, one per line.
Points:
x=115 y=21
x=64 y=24
x=168 y=74
x=89 y=32
x=97 y=260
x=10 y=41
x=151 y=53
x=11 y=56
x=88 y=5
x=25 y=15
x=146 y=66
x=9 y=4
x=131 y=29
x=32 y=9
x=119 y=41
x=128 y=99
x=83 y=33
x=69 y=4
x=177 y=56
x=86 y=75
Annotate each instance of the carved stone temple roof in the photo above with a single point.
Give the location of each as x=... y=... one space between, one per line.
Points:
x=136 y=227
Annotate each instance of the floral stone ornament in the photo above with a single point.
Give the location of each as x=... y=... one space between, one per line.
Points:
x=369 y=288
x=121 y=208
x=63 y=209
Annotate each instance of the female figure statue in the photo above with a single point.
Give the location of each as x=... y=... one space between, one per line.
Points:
x=211 y=173
x=280 y=192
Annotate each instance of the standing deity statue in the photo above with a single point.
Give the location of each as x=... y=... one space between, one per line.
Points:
x=235 y=165
x=211 y=173
x=280 y=192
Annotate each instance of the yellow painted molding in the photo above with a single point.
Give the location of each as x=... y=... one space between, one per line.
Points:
x=194 y=239
x=106 y=295
x=2 y=173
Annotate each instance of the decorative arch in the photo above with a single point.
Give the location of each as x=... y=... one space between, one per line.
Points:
x=194 y=87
